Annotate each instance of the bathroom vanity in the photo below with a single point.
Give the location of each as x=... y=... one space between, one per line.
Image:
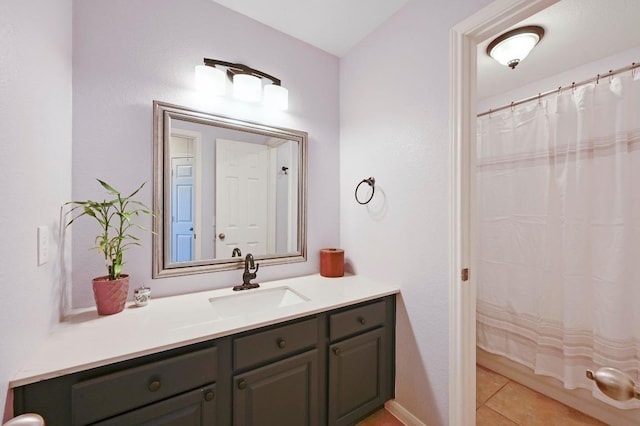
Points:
x=326 y=359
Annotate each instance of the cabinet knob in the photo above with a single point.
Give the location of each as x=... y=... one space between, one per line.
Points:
x=336 y=351
x=221 y=236
x=362 y=321
x=154 y=386
x=281 y=343
x=208 y=395
x=242 y=384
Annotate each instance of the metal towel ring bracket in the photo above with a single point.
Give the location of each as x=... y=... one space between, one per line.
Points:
x=372 y=183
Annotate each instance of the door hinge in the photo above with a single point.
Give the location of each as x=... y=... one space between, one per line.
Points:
x=465 y=274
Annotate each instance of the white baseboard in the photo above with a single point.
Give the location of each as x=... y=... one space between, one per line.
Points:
x=402 y=414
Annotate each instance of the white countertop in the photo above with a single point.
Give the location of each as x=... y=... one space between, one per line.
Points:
x=86 y=340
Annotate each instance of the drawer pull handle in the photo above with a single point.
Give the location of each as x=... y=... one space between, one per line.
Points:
x=362 y=321
x=281 y=343
x=154 y=386
x=242 y=384
x=208 y=395
x=336 y=351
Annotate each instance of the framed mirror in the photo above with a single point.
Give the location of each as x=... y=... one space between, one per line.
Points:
x=224 y=188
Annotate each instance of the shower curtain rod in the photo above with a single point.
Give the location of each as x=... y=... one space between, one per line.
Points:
x=539 y=96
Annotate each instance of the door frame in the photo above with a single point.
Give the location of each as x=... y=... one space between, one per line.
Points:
x=464 y=38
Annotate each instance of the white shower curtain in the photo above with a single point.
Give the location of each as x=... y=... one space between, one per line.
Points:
x=558 y=196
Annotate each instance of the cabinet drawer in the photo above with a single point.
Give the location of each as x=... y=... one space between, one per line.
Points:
x=197 y=407
x=356 y=320
x=275 y=343
x=116 y=393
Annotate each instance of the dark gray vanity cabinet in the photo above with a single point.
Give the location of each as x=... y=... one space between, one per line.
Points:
x=173 y=388
x=359 y=358
x=275 y=378
x=330 y=368
x=189 y=409
x=283 y=393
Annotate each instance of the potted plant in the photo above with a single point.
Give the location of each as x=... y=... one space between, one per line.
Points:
x=115 y=219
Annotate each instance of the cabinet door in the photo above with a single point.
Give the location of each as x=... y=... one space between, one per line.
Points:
x=195 y=408
x=283 y=393
x=356 y=377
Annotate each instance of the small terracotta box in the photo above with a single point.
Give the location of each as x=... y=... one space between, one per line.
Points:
x=332 y=262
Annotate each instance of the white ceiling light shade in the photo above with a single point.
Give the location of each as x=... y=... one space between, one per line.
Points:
x=247 y=87
x=276 y=97
x=247 y=83
x=512 y=47
x=210 y=80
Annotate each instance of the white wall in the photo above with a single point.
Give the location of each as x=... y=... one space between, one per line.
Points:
x=35 y=169
x=395 y=127
x=128 y=53
x=564 y=79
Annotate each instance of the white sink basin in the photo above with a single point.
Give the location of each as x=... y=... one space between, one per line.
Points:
x=255 y=300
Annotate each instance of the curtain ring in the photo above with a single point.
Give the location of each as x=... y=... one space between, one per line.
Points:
x=372 y=183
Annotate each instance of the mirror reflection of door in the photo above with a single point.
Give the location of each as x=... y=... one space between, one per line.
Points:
x=242 y=188
x=184 y=225
x=182 y=209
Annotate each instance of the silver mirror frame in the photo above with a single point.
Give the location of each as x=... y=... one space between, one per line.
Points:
x=162 y=113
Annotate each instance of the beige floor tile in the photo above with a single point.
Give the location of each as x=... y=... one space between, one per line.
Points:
x=485 y=416
x=577 y=418
x=380 y=418
x=487 y=384
x=527 y=407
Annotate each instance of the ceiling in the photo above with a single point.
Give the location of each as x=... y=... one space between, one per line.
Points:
x=576 y=32
x=334 y=26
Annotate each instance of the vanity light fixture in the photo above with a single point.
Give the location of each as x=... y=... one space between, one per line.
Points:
x=210 y=80
x=247 y=87
x=247 y=83
x=513 y=46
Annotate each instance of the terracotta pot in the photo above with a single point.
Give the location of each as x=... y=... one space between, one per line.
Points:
x=110 y=295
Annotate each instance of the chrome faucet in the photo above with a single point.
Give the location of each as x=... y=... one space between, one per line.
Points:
x=250 y=273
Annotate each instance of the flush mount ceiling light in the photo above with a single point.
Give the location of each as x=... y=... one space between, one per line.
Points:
x=247 y=83
x=513 y=46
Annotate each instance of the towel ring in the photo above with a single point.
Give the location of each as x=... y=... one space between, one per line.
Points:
x=372 y=183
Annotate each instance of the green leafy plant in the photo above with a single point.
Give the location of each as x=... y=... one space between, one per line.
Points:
x=115 y=219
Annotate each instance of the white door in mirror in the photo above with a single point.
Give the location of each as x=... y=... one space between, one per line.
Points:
x=241 y=197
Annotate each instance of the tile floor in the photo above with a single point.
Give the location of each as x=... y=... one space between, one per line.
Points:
x=502 y=402
x=381 y=418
